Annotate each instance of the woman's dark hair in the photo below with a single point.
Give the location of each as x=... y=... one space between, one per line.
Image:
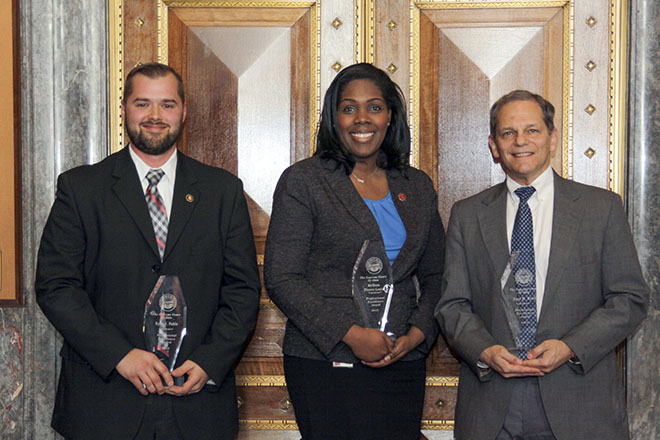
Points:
x=395 y=149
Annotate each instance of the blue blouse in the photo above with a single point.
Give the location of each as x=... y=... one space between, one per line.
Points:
x=390 y=224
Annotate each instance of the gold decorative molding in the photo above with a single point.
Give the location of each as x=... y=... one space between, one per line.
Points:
x=441 y=381
x=591 y=22
x=115 y=73
x=392 y=25
x=337 y=66
x=267 y=304
x=336 y=23
x=268 y=424
x=590 y=152
x=364 y=31
x=618 y=67
x=392 y=68
x=590 y=66
x=437 y=425
x=260 y=381
x=590 y=109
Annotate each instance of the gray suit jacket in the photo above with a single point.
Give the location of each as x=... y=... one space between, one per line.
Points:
x=317 y=228
x=594 y=298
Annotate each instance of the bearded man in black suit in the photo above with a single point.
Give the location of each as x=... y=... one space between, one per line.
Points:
x=101 y=254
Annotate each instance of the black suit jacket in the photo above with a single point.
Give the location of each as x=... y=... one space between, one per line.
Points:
x=317 y=228
x=97 y=265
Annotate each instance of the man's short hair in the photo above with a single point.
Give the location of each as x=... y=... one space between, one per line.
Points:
x=547 y=109
x=153 y=70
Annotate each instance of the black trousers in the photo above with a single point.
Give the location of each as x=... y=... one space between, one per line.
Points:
x=359 y=403
x=158 y=422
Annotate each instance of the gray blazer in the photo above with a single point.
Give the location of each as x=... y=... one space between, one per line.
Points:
x=594 y=298
x=318 y=225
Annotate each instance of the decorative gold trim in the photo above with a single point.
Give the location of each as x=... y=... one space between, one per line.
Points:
x=392 y=68
x=567 y=101
x=268 y=424
x=392 y=25
x=265 y=303
x=462 y=4
x=438 y=425
x=414 y=92
x=162 y=30
x=279 y=381
x=116 y=74
x=337 y=66
x=617 y=84
x=441 y=381
x=590 y=152
x=590 y=109
x=568 y=60
x=336 y=23
x=364 y=31
x=590 y=66
x=260 y=381
x=591 y=22
x=139 y=22
x=315 y=75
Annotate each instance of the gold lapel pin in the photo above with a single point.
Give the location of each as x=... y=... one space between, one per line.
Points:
x=190 y=198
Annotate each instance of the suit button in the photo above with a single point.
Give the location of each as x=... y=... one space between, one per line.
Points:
x=155 y=268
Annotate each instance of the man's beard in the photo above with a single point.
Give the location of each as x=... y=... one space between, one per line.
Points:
x=152 y=145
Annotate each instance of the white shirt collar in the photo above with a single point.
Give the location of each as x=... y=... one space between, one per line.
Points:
x=543 y=184
x=169 y=167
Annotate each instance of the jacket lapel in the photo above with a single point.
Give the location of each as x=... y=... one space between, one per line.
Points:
x=129 y=191
x=565 y=221
x=492 y=224
x=184 y=200
x=346 y=193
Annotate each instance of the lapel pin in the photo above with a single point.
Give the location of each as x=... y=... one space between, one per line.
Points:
x=190 y=198
x=402 y=197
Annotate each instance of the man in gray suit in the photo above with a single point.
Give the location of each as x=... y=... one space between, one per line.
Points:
x=576 y=275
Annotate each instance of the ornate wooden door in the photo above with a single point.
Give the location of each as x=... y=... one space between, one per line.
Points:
x=255 y=72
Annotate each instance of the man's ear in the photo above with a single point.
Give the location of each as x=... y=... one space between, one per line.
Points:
x=493 y=149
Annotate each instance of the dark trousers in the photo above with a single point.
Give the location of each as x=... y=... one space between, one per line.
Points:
x=359 y=403
x=526 y=418
x=158 y=422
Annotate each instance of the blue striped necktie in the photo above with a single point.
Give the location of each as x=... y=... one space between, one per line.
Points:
x=522 y=240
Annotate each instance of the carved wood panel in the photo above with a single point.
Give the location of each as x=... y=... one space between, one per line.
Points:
x=452 y=59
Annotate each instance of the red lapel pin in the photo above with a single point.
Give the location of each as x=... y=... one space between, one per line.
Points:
x=402 y=197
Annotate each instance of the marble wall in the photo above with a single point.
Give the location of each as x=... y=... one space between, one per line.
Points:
x=643 y=203
x=64 y=89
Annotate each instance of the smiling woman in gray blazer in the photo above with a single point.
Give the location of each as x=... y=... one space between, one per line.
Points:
x=347 y=381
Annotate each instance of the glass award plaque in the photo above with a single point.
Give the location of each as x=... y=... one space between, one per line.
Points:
x=513 y=300
x=373 y=285
x=164 y=324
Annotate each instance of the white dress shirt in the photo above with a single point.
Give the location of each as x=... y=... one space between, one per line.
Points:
x=166 y=184
x=541 y=203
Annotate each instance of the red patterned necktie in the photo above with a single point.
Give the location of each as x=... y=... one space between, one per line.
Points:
x=157 y=209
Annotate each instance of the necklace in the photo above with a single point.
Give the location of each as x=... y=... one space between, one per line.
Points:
x=366 y=178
